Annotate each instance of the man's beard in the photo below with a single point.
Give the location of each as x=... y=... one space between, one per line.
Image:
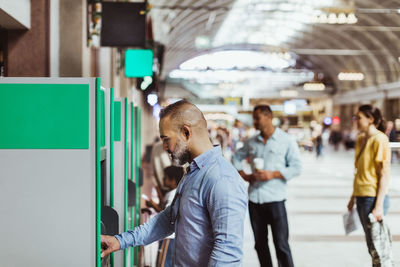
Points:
x=181 y=155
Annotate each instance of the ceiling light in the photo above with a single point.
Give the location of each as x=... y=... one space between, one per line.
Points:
x=239 y=59
x=202 y=42
x=351 y=18
x=235 y=29
x=351 y=76
x=323 y=18
x=334 y=18
x=147 y=80
x=342 y=19
x=314 y=87
x=152 y=99
x=289 y=107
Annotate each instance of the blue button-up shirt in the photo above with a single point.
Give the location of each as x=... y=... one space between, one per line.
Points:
x=280 y=153
x=212 y=203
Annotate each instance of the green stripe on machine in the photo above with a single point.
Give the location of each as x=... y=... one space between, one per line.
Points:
x=98 y=172
x=44 y=116
x=117 y=121
x=103 y=118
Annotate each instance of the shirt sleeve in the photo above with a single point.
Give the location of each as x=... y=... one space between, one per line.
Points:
x=382 y=150
x=157 y=228
x=240 y=155
x=293 y=162
x=227 y=205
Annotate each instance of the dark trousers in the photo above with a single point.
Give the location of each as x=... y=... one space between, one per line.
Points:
x=274 y=214
x=365 y=205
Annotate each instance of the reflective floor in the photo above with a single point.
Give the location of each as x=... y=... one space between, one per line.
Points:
x=316 y=202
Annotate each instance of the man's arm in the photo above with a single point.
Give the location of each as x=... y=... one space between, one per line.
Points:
x=293 y=162
x=247 y=177
x=227 y=205
x=157 y=228
x=237 y=158
x=240 y=155
x=382 y=160
x=292 y=168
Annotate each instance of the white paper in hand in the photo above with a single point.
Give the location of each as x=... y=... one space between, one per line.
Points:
x=351 y=221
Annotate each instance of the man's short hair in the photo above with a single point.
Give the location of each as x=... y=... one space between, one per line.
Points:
x=265 y=109
x=174 y=109
x=184 y=113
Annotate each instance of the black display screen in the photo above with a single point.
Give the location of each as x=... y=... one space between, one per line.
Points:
x=123 y=24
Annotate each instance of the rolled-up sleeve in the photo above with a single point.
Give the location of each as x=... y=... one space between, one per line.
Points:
x=157 y=228
x=293 y=162
x=227 y=205
x=240 y=155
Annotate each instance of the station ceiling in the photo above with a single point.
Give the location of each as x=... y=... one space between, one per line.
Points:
x=370 y=46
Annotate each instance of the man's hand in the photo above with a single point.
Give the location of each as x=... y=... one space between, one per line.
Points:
x=109 y=244
x=150 y=203
x=264 y=175
x=247 y=177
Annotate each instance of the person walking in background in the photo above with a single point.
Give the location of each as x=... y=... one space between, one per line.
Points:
x=392 y=134
x=159 y=160
x=208 y=211
x=172 y=177
x=275 y=160
x=372 y=173
x=318 y=145
x=335 y=138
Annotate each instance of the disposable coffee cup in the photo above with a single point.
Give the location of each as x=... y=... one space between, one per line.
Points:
x=258 y=163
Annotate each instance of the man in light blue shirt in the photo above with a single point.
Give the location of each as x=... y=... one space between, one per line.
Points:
x=208 y=211
x=279 y=157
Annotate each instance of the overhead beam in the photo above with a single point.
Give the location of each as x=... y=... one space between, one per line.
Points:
x=388 y=90
x=337 y=52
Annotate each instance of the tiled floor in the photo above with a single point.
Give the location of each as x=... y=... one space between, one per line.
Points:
x=316 y=202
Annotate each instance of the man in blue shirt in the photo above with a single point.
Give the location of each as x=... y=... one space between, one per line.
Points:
x=208 y=211
x=280 y=156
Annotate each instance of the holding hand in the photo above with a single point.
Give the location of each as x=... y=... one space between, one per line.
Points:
x=350 y=205
x=264 y=175
x=247 y=177
x=150 y=203
x=109 y=244
x=378 y=213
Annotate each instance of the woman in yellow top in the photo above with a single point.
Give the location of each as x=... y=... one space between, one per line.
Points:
x=372 y=169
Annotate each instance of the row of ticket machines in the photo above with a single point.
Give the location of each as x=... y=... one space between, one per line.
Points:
x=70 y=170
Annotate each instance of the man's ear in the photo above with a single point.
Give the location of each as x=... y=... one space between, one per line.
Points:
x=186 y=131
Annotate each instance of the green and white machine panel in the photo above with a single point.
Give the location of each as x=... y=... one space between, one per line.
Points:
x=119 y=170
x=49 y=169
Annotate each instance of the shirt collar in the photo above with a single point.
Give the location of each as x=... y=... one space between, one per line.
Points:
x=274 y=135
x=203 y=159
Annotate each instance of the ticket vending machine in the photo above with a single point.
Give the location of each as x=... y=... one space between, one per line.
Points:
x=66 y=156
x=50 y=168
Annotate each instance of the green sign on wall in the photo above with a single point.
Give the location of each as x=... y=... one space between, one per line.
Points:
x=138 y=63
